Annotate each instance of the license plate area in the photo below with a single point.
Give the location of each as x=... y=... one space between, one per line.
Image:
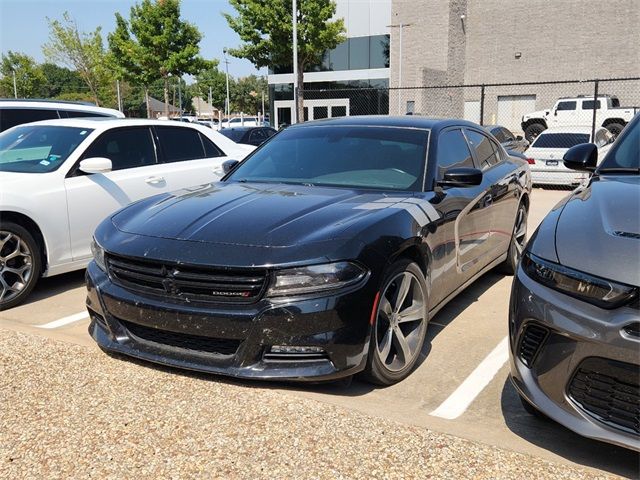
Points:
x=552 y=163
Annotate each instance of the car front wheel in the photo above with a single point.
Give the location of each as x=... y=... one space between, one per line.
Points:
x=518 y=242
x=399 y=326
x=20 y=264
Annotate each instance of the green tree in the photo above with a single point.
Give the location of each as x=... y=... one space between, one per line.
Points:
x=214 y=79
x=267 y=32
x=84 y=52
x=247 y=94
x=62 y=81
x=30 y=80
x=155 y=44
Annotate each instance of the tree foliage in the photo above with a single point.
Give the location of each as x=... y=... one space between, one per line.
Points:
x=29 y=77
x=215 y=79
x=155 y=44
x=84 y=52
x=246 y=94
x=266 y=29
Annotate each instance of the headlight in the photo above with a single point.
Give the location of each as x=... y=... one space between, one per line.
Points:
x=595 y=290
x=98 y=254
x=315 y=278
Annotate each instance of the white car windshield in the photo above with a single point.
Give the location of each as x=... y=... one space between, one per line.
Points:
x=38 y=148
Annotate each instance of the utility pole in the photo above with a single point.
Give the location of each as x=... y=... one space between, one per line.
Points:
x=119 y=97
x=401 y=26
x=15 y=87
x=294 y=16
x=180 y=95
x=227 y=108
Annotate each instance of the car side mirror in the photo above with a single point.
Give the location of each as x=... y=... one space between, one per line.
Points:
x=583 y=157
x=519 y=138
x=461 y=177
x=96 y=165
x=229 y=165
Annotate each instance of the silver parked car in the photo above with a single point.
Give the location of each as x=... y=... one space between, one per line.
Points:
x=574 y=318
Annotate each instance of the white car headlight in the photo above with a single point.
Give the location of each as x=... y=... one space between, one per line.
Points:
x=98 y=254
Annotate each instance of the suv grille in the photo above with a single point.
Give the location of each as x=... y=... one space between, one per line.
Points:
x=219 y=346
x=609 y=391
x=182 y=282
x=531 y=340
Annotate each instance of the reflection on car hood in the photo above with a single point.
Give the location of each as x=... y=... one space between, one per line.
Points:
x=269 y=215
x=598 y=231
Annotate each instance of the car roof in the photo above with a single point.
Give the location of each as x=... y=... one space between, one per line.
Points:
x=574 y=129
x=106 y=122
x=406 y=121
x=55 y=105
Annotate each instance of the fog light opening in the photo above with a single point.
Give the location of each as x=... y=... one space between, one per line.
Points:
x=295 y=353
x=295 y=349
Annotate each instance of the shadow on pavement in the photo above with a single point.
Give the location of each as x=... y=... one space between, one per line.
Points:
x=52 y=286
x=561 y=441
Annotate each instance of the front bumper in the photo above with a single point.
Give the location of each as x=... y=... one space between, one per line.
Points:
x=578 y=334
x=337 y=324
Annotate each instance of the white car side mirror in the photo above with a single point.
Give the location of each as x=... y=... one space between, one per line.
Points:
x=95 y=165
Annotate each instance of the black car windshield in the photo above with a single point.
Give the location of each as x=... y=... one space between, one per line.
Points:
x=560 y=140
x=233 y=134
x=625 y=153
x=341 y=155
x=38 y=148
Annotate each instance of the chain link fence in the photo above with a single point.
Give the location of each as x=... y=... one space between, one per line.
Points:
x=538 y=121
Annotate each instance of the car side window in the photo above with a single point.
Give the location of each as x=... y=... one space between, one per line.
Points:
x=499 y=134
x=10 y=117
x=588 y=105
x=125 y=147
x=453 y=151
x=180 y=144
x=80 y=114
x=507 y=135
x=486 y=151
x=210 y=148
x=258 y=136
x=269 y=132
x=566 y=106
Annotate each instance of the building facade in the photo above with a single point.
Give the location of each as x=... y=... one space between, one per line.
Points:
x=361 y=62
x=474 y=42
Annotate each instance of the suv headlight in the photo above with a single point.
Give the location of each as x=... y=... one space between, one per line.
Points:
x=591 y=289
x=98 y=254
x=315 y=278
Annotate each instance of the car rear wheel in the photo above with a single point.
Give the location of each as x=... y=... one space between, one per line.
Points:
x=615 y=128
x=518 y=242
x=400 y=324
x=20 y=264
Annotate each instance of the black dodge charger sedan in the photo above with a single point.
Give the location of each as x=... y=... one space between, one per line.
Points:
x=323 y=254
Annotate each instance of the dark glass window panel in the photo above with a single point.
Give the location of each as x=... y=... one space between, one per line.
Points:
x=566 y=106
x=10 y=117
x=320 y=112
x=125 y=147
x=379 y=51
x=180 y=144
x=338 y=111
x=358 y=53
x=210 y=148
x=453 y=151
x=339 y=57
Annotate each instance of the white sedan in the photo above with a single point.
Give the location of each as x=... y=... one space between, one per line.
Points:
x=60 y=178
x=547 y=150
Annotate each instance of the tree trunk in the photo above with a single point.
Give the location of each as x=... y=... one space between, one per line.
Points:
x=300 y=105
x=146 y=99
x=166 y=97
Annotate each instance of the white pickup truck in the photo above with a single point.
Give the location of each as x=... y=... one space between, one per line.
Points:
x=578 y=111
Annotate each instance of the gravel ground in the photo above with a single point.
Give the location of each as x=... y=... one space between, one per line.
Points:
x=72 y=412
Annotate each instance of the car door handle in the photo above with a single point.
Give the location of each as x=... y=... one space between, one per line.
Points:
x=154 y=180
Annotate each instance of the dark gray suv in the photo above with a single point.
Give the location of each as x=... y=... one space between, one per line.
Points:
x=574 y=319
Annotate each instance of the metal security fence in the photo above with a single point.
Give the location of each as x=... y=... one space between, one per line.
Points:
x=561 y=113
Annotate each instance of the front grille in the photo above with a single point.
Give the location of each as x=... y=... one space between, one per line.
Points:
x=187 y=283
x=609 y=391
x=531 y=340
x=219 y=346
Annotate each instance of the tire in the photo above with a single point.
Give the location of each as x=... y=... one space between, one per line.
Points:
x=400 y=325
x=531 y=410
x=20 y=264
x=615 y=128
x=533 y=130
x=517 y=243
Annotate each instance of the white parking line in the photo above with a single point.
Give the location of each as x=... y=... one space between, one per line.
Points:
x=65 y=321
x=465 y=394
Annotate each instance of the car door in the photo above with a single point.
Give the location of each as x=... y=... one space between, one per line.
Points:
x=188 y=158
x=92 y=197
x=501 y=178
x=564 y=114
x=466 y=218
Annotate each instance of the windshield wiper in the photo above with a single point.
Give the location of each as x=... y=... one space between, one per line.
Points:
x=619 y=170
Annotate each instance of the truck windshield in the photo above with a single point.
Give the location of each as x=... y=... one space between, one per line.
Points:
x=38 y=148
x=560 y=140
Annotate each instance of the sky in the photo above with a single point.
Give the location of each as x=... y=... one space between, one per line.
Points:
x=24 y=27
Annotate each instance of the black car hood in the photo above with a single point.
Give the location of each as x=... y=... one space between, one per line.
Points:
x=263 y=215
x=598 y=231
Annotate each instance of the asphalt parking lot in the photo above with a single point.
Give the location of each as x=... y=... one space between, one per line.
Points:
x=460 y=387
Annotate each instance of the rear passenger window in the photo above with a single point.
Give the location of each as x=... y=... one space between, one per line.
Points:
x=10 y=117
x=80 y=114
x=125 y=147
x=486 y=151
x=210 y=148
x=180 y=143
x=453 y=151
